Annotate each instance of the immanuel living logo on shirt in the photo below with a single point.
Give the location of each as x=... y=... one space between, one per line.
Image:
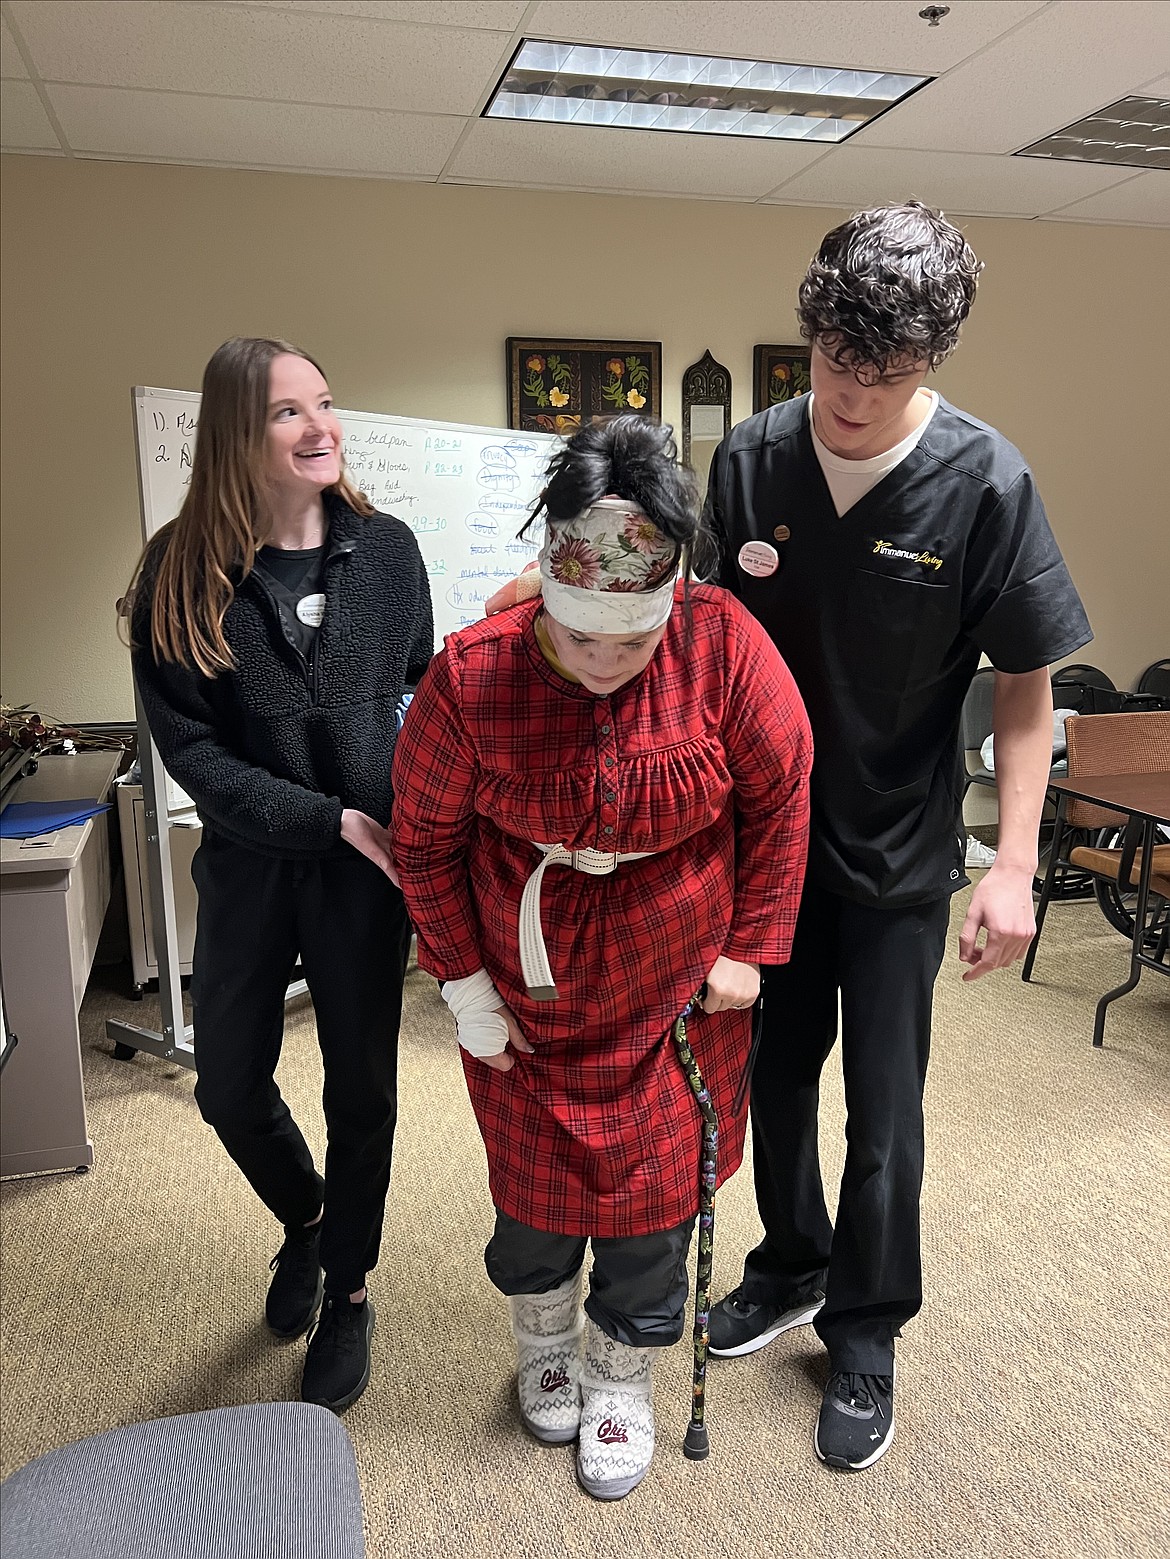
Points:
x=886 y=549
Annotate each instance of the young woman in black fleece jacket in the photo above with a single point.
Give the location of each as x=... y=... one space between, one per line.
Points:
x=275 y=624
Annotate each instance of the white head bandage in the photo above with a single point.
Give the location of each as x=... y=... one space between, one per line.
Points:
x=609 y=570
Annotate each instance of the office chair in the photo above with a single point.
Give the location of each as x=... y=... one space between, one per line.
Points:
x=271 y=1480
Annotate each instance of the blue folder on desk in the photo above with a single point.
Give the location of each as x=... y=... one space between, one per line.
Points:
x=26 y=819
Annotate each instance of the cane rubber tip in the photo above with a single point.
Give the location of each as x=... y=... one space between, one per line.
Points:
x=696 y=1446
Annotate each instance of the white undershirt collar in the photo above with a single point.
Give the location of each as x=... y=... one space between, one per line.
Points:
x=849 y=480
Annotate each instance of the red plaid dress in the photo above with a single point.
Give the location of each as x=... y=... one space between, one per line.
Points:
x=703 y=759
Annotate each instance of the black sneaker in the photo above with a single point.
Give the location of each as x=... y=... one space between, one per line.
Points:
x=738 y=1325
x=337 y=1366
x=294 y=1294
x=856 y=1425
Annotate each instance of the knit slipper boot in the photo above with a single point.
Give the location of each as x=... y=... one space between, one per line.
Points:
x=616 y=1441
x=547 y=1328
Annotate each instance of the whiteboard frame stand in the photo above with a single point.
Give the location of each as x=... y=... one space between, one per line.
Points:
x=176 y=1041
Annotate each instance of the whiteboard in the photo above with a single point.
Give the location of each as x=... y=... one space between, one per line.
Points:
x=464 y=491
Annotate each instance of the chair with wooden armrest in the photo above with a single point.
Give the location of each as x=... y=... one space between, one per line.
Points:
x=1137 y=743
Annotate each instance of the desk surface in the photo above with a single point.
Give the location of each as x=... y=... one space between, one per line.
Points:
x=84 y=776
x=1142 y=795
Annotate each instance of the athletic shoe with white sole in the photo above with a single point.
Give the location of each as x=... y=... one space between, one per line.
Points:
x=979 y=856
x=547 y=1328
x=616 y=1442
x=740 y=1325
x=856 y=1423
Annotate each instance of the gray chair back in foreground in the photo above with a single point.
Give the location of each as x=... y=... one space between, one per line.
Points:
x=271 y=1480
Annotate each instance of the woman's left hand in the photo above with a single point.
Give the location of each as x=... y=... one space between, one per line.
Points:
x=504 y=1061
x=731 y=986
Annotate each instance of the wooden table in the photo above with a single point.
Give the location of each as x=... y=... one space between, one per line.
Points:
x=53 y=899
x=1145 y=799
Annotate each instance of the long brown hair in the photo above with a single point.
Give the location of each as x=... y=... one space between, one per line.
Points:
x=224 y=516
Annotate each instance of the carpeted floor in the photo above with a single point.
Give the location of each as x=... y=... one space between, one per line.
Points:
x=1031 y=1394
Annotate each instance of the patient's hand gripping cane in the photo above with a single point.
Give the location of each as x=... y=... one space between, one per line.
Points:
x=696 y=1445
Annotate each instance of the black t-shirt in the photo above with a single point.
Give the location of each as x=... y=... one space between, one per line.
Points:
x=295 y=580
x=881 y=614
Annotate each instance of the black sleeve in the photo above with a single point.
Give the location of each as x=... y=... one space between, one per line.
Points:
x=423 y=644
x=1019 y=604
x=723 y=572
x=246 y=800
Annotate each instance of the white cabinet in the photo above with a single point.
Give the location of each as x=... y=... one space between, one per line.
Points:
x=53 y=897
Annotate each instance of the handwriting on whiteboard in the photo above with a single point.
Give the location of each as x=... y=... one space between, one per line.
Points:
x=464 y=492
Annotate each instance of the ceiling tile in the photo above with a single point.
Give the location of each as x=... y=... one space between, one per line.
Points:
x=241 y=51
x=175 y=127
x=858 y=176
x=24 y=125
x=11 y=64
x=500 y=15
x=881 y=34
x=1062 y=64
x=560 y=156
x=1145 y=199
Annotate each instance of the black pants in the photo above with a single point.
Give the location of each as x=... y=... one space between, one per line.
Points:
x=349 y=925
x=637 y=1289
x=884 y=963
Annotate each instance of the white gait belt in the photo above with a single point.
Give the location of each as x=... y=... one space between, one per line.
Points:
x=534 y=963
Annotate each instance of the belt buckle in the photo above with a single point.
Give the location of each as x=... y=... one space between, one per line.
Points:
x=596 y=863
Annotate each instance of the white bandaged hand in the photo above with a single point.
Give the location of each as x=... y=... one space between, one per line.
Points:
x=478 y=1010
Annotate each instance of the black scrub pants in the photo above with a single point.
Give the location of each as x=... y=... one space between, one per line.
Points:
x=638 y=1285
x=348 y=923
x=884 y=963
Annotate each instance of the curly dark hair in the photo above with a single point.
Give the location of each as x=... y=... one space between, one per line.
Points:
x=893 y=282
x=633 y=458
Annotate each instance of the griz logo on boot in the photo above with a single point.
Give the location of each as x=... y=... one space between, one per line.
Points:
x=612 y=1431
x=554 y=1380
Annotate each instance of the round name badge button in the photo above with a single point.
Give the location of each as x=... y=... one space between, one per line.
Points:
x=311 y=610
x=759 y=558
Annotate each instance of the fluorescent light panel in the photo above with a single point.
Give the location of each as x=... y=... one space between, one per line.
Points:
x=1134 y=131
x=641 y=89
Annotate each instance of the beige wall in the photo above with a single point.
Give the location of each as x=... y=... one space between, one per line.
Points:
x=117 y=274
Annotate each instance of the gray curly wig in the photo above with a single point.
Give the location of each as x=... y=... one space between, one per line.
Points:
x=893 y=282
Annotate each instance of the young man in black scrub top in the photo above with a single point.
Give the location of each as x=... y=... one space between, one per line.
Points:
x=884 y=538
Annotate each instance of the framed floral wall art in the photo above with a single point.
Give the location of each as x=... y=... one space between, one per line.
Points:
x=553 y=385
x=780 y=374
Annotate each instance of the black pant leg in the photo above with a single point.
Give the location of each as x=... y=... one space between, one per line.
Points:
x=245 y=949
x=638 y=1286
x=799 y=1029
x=354 y=942
x=523 y=1260
x=889 y=959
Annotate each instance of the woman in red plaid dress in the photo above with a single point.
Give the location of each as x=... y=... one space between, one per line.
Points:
x=649 y=728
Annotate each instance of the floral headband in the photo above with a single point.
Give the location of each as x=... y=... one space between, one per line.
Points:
x=609 y=570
